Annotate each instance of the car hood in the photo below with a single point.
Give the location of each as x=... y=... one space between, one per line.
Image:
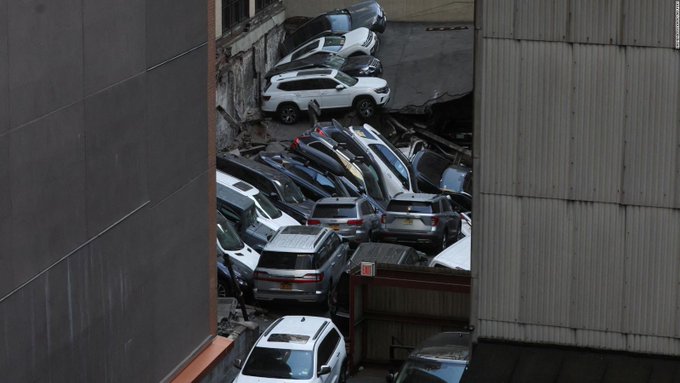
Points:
x=355 y=64
x=456 y=256
x=245 y=255
x=371 y=82
x=356 y=37
x=284 y=220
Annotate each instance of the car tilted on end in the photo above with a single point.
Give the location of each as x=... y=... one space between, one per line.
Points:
x=289 y=93
x=296 y=348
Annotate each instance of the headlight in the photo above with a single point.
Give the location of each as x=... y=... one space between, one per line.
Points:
x=369 y=39
x=384 y=89
x=367 y=70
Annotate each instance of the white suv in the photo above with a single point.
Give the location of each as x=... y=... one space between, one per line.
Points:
x=300 y=348
x=289 y=93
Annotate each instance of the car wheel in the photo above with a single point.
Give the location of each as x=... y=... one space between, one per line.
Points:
x=288 y=113
x=343 y=372
x=365 y=106
x=445 y=240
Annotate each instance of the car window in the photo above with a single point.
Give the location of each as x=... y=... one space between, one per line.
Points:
x=305 y=49
x=289 y=85
x=326 y=348
x=372 y=182
x=226 y=235
x=291 y=192
x=326 y=83
x=279 y=363
x=430 y=371
x=346 y=79
x=323 y=255
x=409 y=207
x=286 y=261
x=392 y=162
x=229 y=214
x=340 y=23
x=314 y=177
x=266 y=207
x=263 y=184
x=453 y=179
x=334 y=211
x=366 y=208
x=432 y=166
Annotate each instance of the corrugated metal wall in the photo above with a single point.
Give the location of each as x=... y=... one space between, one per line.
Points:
x=578 y=159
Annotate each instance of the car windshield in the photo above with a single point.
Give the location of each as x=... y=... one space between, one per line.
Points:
x=335 y=61
x=333 y=42
x=371 y=181
x=266 y=207
x=286 y=261
x=346 y=79
x=335 y=211
x=453 y=179
x=392 y=162
x=279 y=363
x=318 y=179
x=227 y=236
x=291 y=192
x=426 y=371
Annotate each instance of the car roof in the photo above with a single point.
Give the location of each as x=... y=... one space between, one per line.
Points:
x=306 y=328
x=422 y=197
x=304 y=74
x=235 y=183
x=297 y=239
x=250 y=165
x=445 y=345
x=379 y=253
x=233 y=197
x=338 y=200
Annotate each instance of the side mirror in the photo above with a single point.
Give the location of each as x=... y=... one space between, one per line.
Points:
x=238 y=363
x=339 y=87
x=324 y=370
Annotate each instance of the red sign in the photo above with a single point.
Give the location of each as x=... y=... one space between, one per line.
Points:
x=367 y=269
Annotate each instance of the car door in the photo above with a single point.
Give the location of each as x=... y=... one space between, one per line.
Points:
x=329 y=354
x=306 y=91
x=330 y=96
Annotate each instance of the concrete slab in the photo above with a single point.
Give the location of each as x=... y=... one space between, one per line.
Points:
x=425 y=63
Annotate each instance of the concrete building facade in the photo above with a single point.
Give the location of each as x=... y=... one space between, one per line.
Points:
x=106 y=166
x=577 y=166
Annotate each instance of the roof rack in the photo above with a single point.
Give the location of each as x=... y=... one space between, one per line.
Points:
x=318 y=332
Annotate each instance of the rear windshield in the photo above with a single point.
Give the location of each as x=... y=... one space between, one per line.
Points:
x=410 y=207
x=335 y=211
x=286 y=261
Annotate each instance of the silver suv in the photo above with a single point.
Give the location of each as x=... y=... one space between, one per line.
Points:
x=420 y=219
x=300 y=263
x=353 y=218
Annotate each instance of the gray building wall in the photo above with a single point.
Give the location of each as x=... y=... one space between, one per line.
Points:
x=104 y=174
x=577 y=163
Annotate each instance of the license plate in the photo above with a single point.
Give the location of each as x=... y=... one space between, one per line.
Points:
x=286 y=286
x=335 y=227
x=407 y=221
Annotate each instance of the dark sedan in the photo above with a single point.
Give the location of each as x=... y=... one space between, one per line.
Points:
x=359 y=66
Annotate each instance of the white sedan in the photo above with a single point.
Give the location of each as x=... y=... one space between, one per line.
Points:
x=360 y=41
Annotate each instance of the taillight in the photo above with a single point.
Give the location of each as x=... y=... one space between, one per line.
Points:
x=320 y=132
x=382 y=218
x=313 y=222
x=266 y=98
x=435 y=221
x=355 y=222
x=313 y=277
x=295 y=144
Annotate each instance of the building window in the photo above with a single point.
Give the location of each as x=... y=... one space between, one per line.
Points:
x=262 y=4
x=233 y=12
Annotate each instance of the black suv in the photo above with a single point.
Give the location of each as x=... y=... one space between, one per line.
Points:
x=278 y=187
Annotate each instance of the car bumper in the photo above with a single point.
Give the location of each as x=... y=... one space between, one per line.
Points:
x=298 y=296
x=418 y=238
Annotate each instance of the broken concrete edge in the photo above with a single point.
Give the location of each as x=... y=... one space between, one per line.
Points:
x=205 y=361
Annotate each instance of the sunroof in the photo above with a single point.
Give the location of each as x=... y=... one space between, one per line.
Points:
x=242 y=186
x=288 y=338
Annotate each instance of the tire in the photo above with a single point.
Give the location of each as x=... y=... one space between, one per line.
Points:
x=365 y=107
x=288 y=113
x=343 y=372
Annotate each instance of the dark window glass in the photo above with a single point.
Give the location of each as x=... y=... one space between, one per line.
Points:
x=453 y=179
x=392 y=161
x=305 y=49
x=262 y=4
x=286 y=261
x=327 y=347
x=233 y=12
x=432 y=166
x=366 y=208
x=334 y=211
x=326 y=83
x=340 y=23
x=289 y=86
x=410 y=207
x=280 y=364
x=316 y=178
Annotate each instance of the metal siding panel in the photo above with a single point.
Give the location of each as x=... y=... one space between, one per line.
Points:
x=545 y=106
x=597 y=123
x=596 y=22
x=409 y=301
x=498 y=257
x=498 y=16
x=649 y=23
x=651 y=131
x=652 y=282
x=597 y=269
x=546 y=260
x=541 y=20
x=499 y=117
